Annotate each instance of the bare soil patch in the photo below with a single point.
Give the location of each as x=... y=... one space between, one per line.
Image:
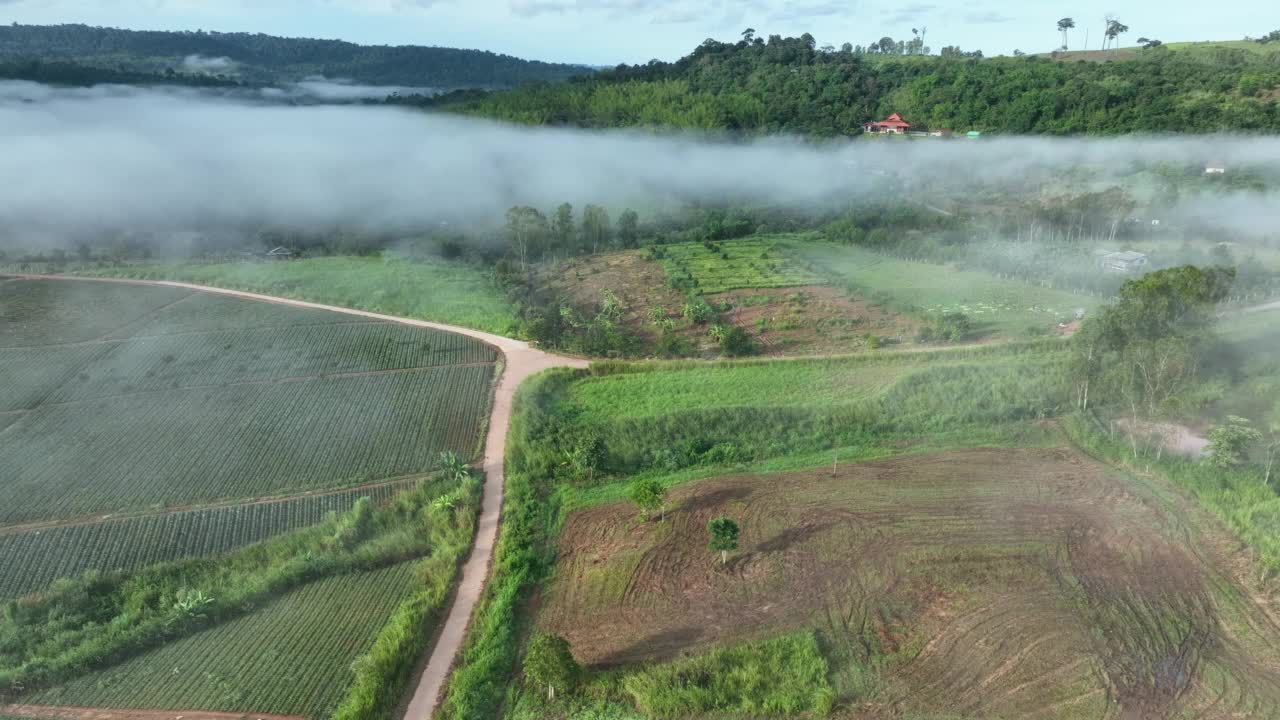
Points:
x=985 y=583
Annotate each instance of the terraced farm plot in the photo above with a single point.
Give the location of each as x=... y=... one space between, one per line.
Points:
x=1011 y=583
x=31 y=560
x=994 y=305
x=147 y=420
x=289 y=657
x=747 y=263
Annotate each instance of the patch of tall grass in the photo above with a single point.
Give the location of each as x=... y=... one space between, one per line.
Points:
x=385 y=671
x=926 y=399
x=780 y=677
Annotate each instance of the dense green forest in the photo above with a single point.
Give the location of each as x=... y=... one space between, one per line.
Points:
x=262 y=58
x=791 y=85
x=71 y=73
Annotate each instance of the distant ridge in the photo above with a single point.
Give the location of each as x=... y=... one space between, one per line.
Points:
x=259 y=58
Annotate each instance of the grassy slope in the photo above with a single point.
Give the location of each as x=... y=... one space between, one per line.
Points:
x=1204 y=47
x=1005 y=307
x=436 y=290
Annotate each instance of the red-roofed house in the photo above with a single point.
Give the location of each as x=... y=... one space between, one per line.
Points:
x=894 y=124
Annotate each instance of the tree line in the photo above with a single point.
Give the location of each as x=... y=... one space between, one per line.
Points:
x=259 y=58
x=790 y=85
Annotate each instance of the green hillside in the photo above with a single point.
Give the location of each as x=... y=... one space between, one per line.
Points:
x=791 y=85
x=259 y=58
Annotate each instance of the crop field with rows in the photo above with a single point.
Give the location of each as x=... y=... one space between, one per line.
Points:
x=288 y=657
x=123 y=398
x=734 y=264
x=31 y=560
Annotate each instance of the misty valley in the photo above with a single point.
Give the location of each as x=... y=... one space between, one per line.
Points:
x=782 y=380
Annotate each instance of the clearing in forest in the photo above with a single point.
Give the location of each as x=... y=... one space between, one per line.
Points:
x=973 y=583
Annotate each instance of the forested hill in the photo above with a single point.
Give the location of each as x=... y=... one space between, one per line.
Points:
x=259 y=58
x=789 y=85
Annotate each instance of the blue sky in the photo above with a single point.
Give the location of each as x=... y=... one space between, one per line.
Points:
x=606 y=32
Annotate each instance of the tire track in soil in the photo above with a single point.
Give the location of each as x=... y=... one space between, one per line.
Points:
x=521 y=361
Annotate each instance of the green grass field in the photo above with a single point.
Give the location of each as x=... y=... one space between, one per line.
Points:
x=447 y=292
x=31 y=560
x=753 y=262
x=292 y=656
x=1007 y=307
x=136 y=398
x=798 y=383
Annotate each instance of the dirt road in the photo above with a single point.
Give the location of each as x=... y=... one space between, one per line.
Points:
x=1261 y=308
x=520 y=362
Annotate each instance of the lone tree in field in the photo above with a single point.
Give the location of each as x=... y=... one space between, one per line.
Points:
x=649 y=495
x=1064 y=25
x=629 y=229
x=1145 y=348
x=550 y=664
x=724 y=537
x=1229 y=443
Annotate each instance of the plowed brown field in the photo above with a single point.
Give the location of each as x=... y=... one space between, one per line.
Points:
x=989 y=583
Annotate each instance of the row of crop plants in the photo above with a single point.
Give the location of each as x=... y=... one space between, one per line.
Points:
x=211 y=312
x=30 y=561
x=266 y=354
x=292 y=656
x=187 y=447
x=44 y=312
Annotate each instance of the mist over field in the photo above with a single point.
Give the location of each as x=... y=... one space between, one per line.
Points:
x=73 y=160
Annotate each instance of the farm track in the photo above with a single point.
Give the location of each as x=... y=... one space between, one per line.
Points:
x=520 y=362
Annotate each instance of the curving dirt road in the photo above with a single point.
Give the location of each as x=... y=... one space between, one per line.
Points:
x=520 y=362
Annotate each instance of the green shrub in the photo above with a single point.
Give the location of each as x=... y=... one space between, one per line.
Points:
x=735 y=342
x=781 y=677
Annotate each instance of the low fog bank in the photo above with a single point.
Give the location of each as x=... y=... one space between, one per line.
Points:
x=326 y=90
x=73 y=161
